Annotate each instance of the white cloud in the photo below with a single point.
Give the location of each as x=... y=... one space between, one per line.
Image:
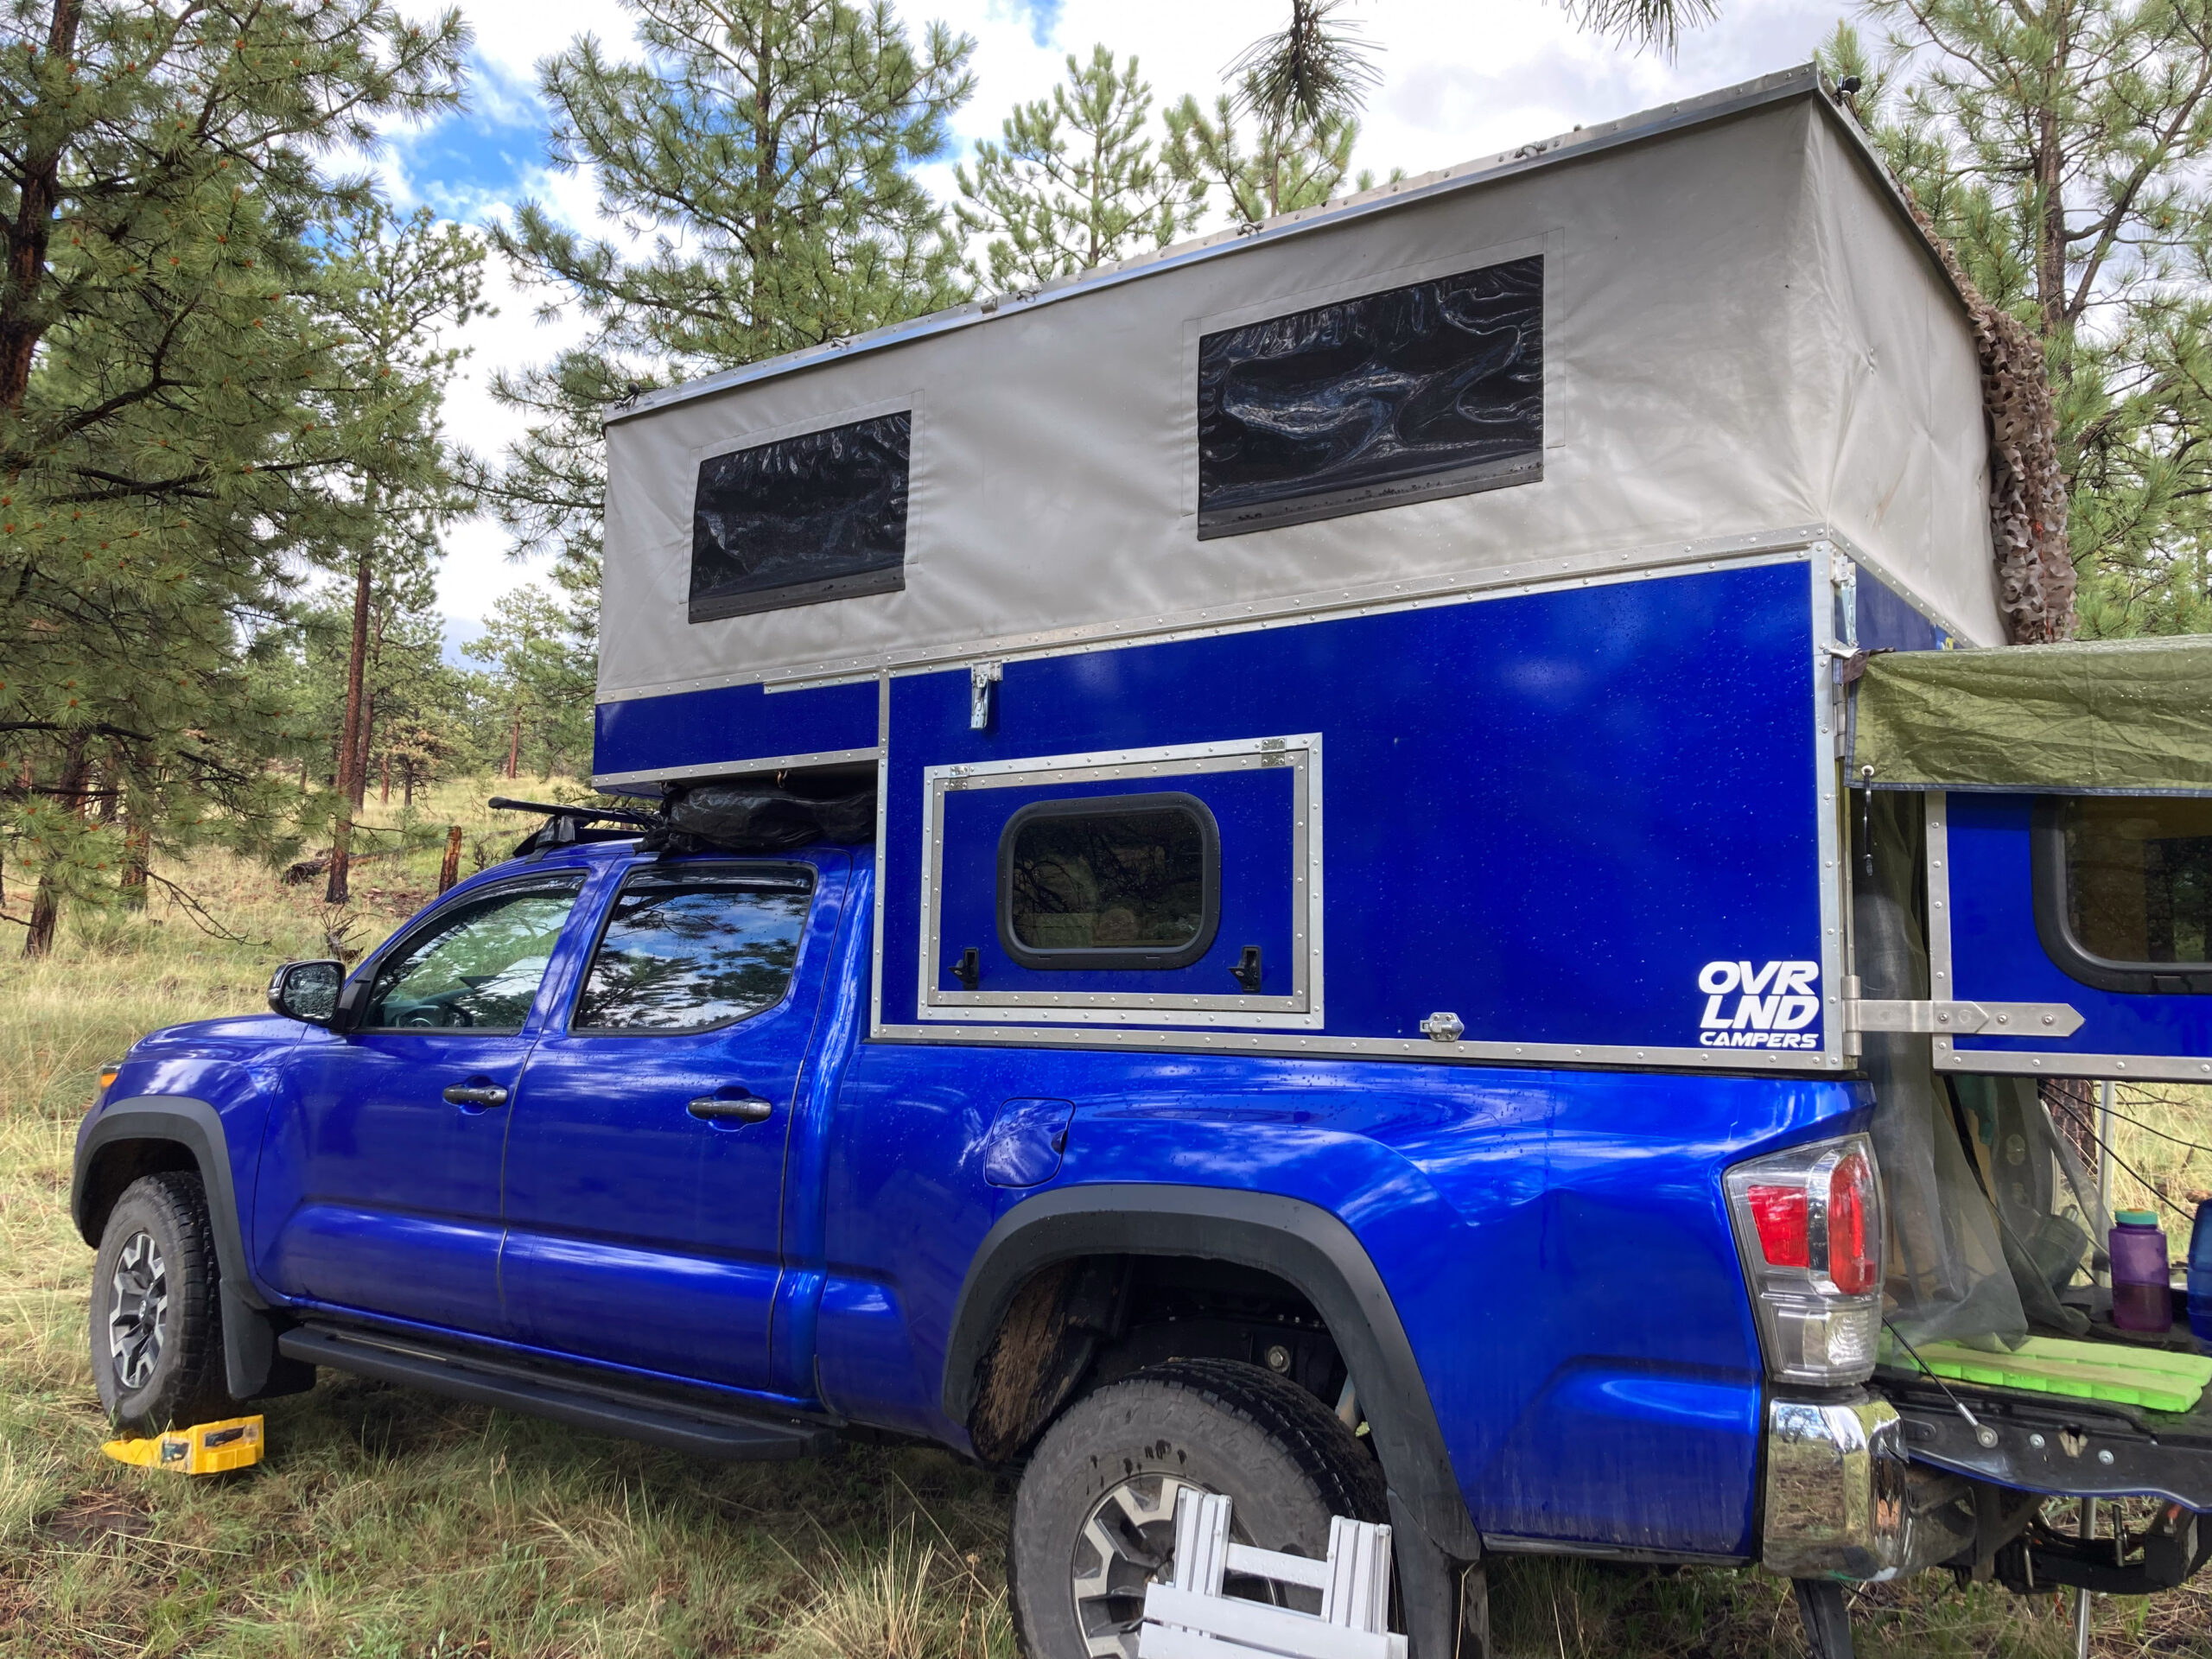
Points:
x=1459 y=82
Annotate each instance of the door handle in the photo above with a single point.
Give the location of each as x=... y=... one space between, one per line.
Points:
x=471 y=1094
x=751 y=1110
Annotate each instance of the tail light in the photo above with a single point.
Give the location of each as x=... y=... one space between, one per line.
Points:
x=1809 y=1227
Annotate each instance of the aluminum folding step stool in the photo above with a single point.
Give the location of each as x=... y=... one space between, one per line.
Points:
x=1188 y=1618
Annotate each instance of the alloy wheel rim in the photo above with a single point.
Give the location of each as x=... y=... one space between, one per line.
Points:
x=1126 y=1543
x=138 y=1300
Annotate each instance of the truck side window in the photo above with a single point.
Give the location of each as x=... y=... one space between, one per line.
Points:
x=1111 y=881
x=688 y=950
x=476 y=965
x=2124 y=890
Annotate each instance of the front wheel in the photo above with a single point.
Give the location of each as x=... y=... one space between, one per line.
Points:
x=157 y=1332
x=1094 y=1520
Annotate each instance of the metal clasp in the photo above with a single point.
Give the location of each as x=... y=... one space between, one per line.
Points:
x=1444 y=1027
x=981 y=677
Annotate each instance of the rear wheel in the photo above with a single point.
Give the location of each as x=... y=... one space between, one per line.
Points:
x=1094 y=1520
x=156 y=1333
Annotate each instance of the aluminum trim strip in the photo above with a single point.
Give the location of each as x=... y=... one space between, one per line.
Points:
x=2158 y=1068
x=720 y=768
x=1303 y=1009
x=1828 y=770
x=1611 y=1057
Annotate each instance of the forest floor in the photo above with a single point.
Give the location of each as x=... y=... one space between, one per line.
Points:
x=390 y=1525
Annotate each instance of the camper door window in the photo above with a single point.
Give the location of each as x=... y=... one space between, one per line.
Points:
x=1121 y=881
x=1434 y=389
x=2129 y=881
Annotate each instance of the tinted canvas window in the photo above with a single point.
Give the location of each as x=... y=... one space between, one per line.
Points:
x=1434 y=389
x=476 y=965
x=682 y=952
x=1110 y=882
x=2138 y=877
x=820 y=516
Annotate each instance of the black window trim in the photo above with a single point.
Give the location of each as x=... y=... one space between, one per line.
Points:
x=2047 y=861
x=794 y=878
x=1107 y=957
x=572 y=880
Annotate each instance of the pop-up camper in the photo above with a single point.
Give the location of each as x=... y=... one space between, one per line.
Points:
x=1532 y=627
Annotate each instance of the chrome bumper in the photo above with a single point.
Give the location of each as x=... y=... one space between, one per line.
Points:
x=1836 y=1490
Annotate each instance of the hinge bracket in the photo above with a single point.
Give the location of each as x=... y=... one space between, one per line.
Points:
x=1958 y=1018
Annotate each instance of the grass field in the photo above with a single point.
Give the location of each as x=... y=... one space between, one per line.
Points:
x=388 y=1525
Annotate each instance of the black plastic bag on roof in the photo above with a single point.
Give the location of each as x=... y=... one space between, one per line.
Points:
x=748 y=818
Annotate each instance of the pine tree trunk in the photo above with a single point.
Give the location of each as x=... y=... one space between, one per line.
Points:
x=46 y=903
x=514 y=748
x=22 y=322
x=384 y=800
x=366 y=742
x=349 y=731
x=137 y=834
x=449 y=871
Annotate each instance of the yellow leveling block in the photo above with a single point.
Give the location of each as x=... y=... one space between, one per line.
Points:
x=203 y=1449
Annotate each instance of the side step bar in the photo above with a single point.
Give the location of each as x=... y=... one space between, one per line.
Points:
x=731 y=1436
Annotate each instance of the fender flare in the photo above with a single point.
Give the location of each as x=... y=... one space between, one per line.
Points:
x=1299 y=1243
x=251 y=1363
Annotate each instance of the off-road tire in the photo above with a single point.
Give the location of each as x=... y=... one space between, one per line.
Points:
x=180 y=1381
x=1284 y=1460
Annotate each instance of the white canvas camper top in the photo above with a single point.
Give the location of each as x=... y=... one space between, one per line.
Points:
x=1737 y=339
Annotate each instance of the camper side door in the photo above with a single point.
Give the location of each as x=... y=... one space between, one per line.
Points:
x=2101 y=903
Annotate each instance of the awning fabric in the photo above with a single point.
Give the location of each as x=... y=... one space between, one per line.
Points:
x=2105 y=717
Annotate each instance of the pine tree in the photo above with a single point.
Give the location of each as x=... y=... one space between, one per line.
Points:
x=163 y=422
x=2061 y=149
x=399 y=287
x=540 y=683
x=1302 y=91
x=1288 y=166
x=766 y=150
x=1075 y=181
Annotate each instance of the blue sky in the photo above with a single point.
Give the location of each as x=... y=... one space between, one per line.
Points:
x=1459 y=82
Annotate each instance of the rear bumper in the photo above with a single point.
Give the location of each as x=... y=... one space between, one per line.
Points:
x=2069 y=1448
x=1836 y=1487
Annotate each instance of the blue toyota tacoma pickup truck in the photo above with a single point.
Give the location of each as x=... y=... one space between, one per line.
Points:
x=599 y=1136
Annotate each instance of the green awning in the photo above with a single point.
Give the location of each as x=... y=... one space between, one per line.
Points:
x=2114 y=717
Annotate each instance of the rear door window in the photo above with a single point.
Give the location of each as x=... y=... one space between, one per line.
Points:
x=689 y=950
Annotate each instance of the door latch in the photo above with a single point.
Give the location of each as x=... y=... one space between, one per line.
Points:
x=981 y=677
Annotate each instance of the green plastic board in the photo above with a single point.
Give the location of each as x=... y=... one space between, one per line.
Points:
x=2151 y=1378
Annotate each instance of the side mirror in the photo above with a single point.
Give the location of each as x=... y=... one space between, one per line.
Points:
x=307 y=991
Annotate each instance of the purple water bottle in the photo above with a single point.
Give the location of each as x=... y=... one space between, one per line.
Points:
x=2142 y=1292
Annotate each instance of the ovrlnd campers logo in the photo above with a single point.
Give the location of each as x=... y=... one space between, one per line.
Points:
x=1768 y=1006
